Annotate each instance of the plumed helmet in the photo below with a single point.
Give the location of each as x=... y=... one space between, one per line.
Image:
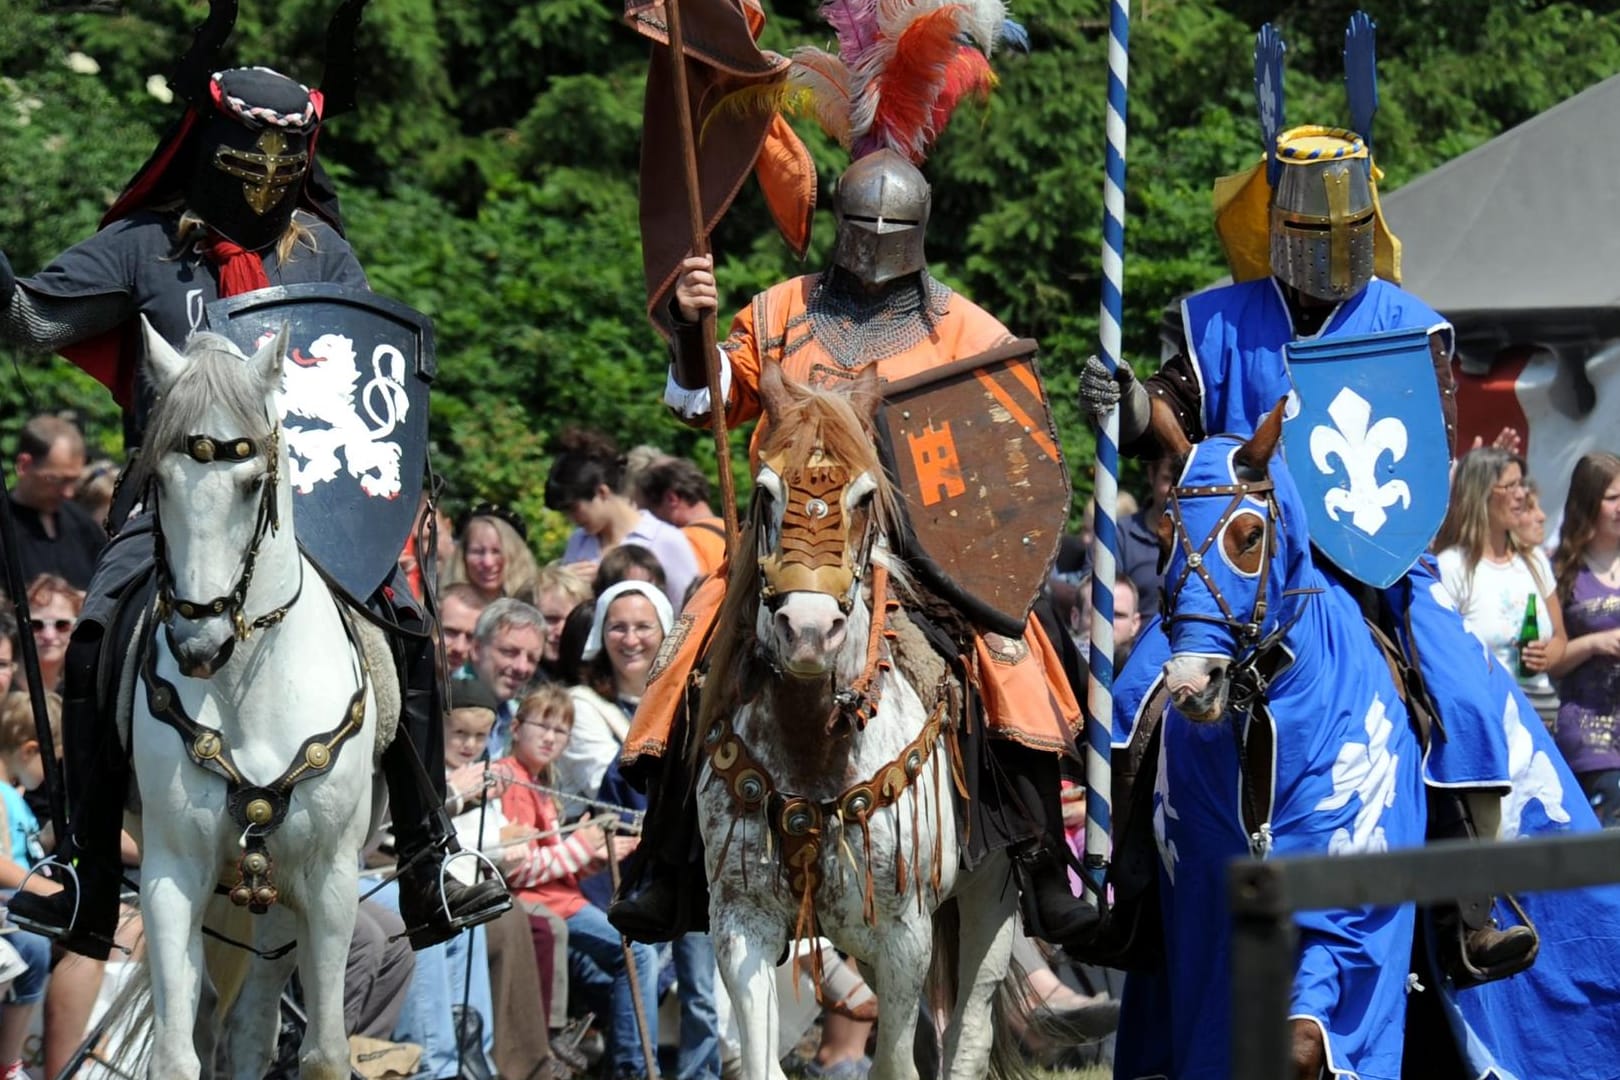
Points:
x=1323 y=212
x=882 y=207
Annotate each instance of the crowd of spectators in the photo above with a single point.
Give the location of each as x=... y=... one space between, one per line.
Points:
x=547 y=664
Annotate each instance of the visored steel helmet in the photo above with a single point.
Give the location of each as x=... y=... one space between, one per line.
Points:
x=253 y=153
x=882 y=206
x=1322 y=213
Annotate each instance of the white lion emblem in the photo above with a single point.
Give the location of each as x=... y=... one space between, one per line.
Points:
x=320 y=386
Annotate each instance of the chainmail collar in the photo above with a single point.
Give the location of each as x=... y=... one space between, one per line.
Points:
x=856 y=327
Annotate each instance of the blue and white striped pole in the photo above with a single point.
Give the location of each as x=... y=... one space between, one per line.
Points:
x=1105 y=544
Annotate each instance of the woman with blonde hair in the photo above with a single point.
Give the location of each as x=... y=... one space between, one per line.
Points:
x=557 y=591
x=493 y=555
x=1497 y=581
x=1587 y=564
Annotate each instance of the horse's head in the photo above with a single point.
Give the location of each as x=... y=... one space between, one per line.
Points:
x=1227 y=561
x=214 y=469
x=821 y=503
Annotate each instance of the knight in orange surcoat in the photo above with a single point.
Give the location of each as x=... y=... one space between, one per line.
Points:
x=877 y=305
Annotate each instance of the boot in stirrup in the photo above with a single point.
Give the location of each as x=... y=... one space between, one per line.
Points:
x=435 y=906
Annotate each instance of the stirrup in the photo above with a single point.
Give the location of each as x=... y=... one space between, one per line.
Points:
x=431 y=933
x=1467 y=974
x=71 y=932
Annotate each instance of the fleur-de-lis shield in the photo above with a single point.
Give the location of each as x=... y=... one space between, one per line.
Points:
x=1367 y=447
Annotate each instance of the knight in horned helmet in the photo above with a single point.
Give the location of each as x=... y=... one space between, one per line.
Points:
x=1313 y=261
x=232 y=200
x=875 y=306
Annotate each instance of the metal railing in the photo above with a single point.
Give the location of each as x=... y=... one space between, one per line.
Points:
x=1263 y=897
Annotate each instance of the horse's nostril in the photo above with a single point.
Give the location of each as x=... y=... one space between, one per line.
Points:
x=784 y=626
x=837 y=628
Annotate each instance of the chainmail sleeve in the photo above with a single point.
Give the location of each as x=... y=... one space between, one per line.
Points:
x=38 y=322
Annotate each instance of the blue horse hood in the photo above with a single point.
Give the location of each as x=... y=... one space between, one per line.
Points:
x=1211 y=464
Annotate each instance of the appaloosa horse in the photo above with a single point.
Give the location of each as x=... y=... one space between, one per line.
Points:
x=825 y=798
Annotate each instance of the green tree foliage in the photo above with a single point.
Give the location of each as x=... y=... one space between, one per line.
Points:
x=489 y=178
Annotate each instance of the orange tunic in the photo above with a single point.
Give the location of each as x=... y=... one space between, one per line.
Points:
x=1025 y=693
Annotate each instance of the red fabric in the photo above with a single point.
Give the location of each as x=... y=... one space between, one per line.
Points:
x=546 y=878
x=103 y=359
x=240 y=270
x=1488 y=403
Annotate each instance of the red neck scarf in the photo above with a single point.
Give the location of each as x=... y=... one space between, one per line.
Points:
x=240 y=270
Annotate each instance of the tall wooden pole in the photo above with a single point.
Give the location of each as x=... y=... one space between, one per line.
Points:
x=700 y=246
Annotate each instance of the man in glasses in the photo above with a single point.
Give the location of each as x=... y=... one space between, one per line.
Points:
x=55 y=535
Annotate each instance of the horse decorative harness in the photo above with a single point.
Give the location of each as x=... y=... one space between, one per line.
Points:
x=812 y=557
x=258 y=810
x=1252 y=673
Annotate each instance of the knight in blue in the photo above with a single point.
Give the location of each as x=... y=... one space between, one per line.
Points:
x=1313 y=261
x=1314 y=266
x=232 y=200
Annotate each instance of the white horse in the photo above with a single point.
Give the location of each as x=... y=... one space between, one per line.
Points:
x=825 y=802
x=250 y=669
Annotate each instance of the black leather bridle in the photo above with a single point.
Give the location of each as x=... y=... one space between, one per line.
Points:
x=207 y=450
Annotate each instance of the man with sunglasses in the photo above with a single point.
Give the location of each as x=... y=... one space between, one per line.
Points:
x=55 y=535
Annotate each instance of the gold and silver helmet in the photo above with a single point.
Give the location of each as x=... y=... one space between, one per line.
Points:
x=882 y=207
x=1323 y=211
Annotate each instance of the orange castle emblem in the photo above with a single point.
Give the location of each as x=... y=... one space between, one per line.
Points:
x=939 y=471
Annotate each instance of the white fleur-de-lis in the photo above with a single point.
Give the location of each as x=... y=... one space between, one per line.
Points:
x=1533 y=774
x=1268 y=104
x=1366 y=770
x=1163 y=814
x=1359 y=443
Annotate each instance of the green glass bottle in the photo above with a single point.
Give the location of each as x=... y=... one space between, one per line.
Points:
x=1529 y=630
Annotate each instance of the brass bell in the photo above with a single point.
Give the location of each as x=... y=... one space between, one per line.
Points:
x=241 y=896
x=265 y=895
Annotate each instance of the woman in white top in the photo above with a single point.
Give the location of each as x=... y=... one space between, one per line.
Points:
x=1494 y=578
x=629 y=625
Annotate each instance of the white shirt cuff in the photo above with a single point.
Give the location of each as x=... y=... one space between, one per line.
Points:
x=691 y=404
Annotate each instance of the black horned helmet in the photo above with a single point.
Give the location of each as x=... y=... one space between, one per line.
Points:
x=243 y=157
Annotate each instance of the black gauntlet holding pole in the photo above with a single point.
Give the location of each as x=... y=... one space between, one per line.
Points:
x=689 y=350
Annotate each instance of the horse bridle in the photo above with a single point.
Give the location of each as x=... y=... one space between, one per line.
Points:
x=857 y=703
x=1246 y=631
x=207 y=450
x=813 y=516
x=1261 y=656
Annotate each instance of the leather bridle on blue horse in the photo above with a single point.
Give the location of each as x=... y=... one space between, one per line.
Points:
x=1261 y=655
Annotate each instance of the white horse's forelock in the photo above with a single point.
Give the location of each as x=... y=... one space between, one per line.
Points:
x=217 y=377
